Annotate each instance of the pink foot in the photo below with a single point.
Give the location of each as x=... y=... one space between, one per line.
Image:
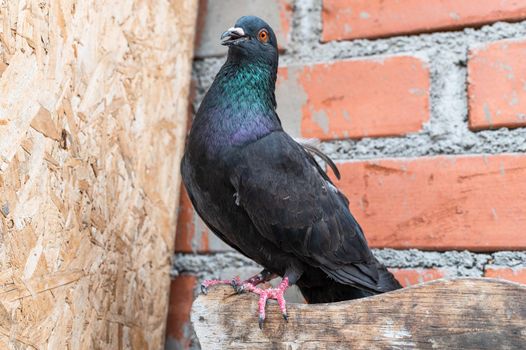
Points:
x=239 y=287
x=209 y=283
x=262 y=277
x=270 y=293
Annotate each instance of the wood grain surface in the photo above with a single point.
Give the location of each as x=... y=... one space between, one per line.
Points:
x=465 y=313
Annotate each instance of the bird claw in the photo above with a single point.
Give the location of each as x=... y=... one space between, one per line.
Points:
x=204 y=289
x=238 y=286
x=264 y=294
x=208 y=283
x=261 y=321
x=270 y=293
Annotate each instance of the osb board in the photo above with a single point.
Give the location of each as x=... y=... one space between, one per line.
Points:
x=466 y=313
x=93 y=98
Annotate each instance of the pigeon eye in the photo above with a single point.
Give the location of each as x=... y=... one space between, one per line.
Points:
x=263 y=35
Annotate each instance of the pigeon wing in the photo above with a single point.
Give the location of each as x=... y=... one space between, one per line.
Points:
x=293 y=204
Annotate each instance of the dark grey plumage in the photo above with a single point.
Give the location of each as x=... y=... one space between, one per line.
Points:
x=263 y=193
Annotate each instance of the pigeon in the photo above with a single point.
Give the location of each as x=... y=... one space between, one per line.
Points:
x=264 y=194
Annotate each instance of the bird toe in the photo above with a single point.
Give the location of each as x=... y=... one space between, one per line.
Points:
x=204 y=289
x=261 y=321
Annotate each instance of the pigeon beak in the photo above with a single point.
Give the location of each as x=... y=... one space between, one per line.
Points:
x=233 y=36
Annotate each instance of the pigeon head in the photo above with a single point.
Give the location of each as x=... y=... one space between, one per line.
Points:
x=251 y=39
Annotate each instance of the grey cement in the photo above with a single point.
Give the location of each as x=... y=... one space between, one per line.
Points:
x=509 y=259
x=446 y=133
x=215 y=265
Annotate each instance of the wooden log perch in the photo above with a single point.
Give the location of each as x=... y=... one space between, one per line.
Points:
x=464 y=313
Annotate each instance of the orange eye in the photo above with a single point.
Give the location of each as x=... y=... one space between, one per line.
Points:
x=263 y=36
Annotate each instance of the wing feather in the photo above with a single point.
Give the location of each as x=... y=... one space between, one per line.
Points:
x=296 y=207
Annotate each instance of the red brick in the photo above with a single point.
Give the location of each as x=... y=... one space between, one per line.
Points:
x=217 y=16
x=354 y=98
x=186 y=226
x=497 y=85
x=511 y=274
x=446 y=202
x=178 y=323
x=410 y=277
x=351 y=19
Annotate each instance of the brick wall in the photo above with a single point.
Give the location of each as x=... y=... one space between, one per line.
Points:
x=424 y=109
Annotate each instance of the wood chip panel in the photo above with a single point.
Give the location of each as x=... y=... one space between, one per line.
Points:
x=93 y=102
